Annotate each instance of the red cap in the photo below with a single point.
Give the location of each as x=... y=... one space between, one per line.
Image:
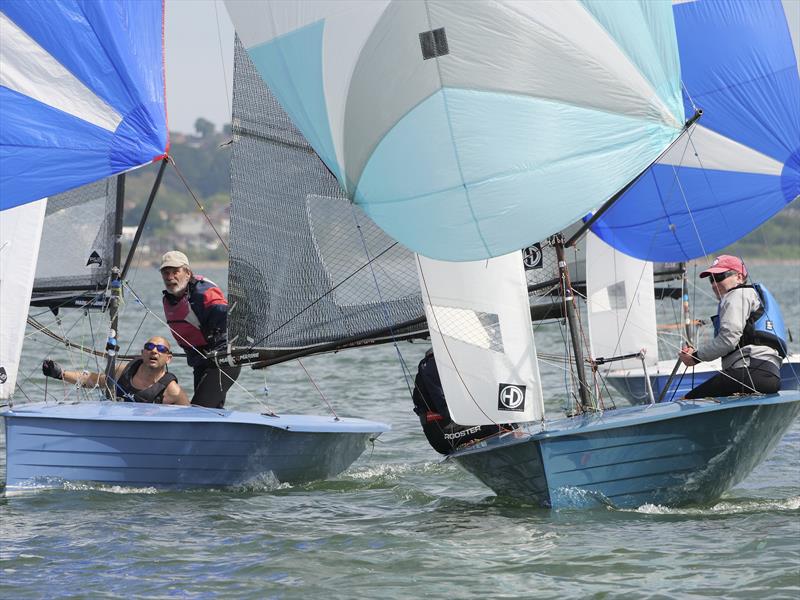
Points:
x=725 y=262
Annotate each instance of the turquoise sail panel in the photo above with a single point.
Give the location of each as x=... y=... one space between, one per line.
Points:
x=648 y=39
x=465 y=159
x=292 y=67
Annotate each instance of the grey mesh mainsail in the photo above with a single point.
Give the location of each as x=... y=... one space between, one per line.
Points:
x=308 y=270
x=76 y=251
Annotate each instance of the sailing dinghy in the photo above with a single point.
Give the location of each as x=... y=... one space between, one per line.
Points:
x=469 y=131
x=621 y=311
x=83 y=99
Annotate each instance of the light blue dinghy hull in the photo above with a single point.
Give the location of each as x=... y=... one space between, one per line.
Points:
x=670 y=454
x=150 y=445
x=631 y=383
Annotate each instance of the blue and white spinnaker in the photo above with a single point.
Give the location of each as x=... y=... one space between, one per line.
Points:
x=741 y=163
x=82 y=91
x=82 y=97
x=471 y=129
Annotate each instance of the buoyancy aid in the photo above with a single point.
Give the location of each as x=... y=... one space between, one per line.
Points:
x=188 y=316
x=765 y=326
x=152 y=395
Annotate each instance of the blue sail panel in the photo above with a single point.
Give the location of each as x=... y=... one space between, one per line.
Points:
x=91 y=104
x=656 y=226
x=742 y=165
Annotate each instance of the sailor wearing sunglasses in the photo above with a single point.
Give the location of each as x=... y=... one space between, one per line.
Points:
x=144 y=379
x=749 y=335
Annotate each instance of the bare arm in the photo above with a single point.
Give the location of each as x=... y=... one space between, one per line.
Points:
x=85 y=379
x=174 y=394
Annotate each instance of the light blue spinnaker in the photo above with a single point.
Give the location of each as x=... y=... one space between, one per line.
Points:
x=740 y=66
x=460 y=127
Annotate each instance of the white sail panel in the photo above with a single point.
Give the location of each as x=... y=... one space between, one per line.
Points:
x=621 y=305
x=27 y=68
x=20 y=233
x=479 y=321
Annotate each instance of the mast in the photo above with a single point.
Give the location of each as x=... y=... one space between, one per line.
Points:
x=116 y=289
x=572 y=320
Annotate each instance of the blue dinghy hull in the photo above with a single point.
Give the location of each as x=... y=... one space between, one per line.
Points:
x=670 y=454
x=150 y=445
x=631 y=383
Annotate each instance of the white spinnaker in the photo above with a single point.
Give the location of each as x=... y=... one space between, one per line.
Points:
x=621 y=305
x=479 y=320
x=20 y=234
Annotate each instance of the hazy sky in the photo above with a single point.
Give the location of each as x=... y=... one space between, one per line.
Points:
x=199 y=75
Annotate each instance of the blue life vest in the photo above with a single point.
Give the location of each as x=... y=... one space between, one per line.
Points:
x=765 y=326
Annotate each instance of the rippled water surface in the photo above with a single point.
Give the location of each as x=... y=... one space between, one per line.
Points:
x=399 y=523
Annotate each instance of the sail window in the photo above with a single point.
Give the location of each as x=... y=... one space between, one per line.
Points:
x=433 y=43
x=472 y=327
x=612 y=297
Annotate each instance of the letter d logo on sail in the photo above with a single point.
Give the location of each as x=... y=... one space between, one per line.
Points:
x=511 y=397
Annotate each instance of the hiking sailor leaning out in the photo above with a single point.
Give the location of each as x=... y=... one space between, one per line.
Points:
x=749 y=335
x=144 y=379
x=197 y=315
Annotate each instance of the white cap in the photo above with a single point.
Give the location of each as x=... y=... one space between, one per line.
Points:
x=174 y=258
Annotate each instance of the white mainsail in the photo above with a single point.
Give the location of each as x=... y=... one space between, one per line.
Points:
x=20 y=234
x=479 y=321
x=621 y=305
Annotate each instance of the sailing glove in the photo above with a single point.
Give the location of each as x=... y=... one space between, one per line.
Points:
x=51 y=368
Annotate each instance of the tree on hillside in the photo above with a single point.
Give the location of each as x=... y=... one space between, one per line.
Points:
x=204 y=128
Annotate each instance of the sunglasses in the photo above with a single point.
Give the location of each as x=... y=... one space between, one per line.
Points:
x=160 y=347
x=717 y=277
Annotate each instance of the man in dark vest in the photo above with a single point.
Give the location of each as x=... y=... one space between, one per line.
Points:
x=749 y=335
x=197 y=315
x=144 y=379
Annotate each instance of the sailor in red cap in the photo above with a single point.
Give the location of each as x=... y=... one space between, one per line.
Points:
x=749 y=335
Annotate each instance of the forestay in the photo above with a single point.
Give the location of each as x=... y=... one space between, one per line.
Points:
x=459 y=127
x=621 y=305
x=479 y=321
x=308 y=270
x=741 y=163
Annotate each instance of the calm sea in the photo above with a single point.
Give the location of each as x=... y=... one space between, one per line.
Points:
x=398 y=524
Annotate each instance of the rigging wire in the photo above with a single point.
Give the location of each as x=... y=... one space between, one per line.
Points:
x=171 y=160
x=222 y=61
